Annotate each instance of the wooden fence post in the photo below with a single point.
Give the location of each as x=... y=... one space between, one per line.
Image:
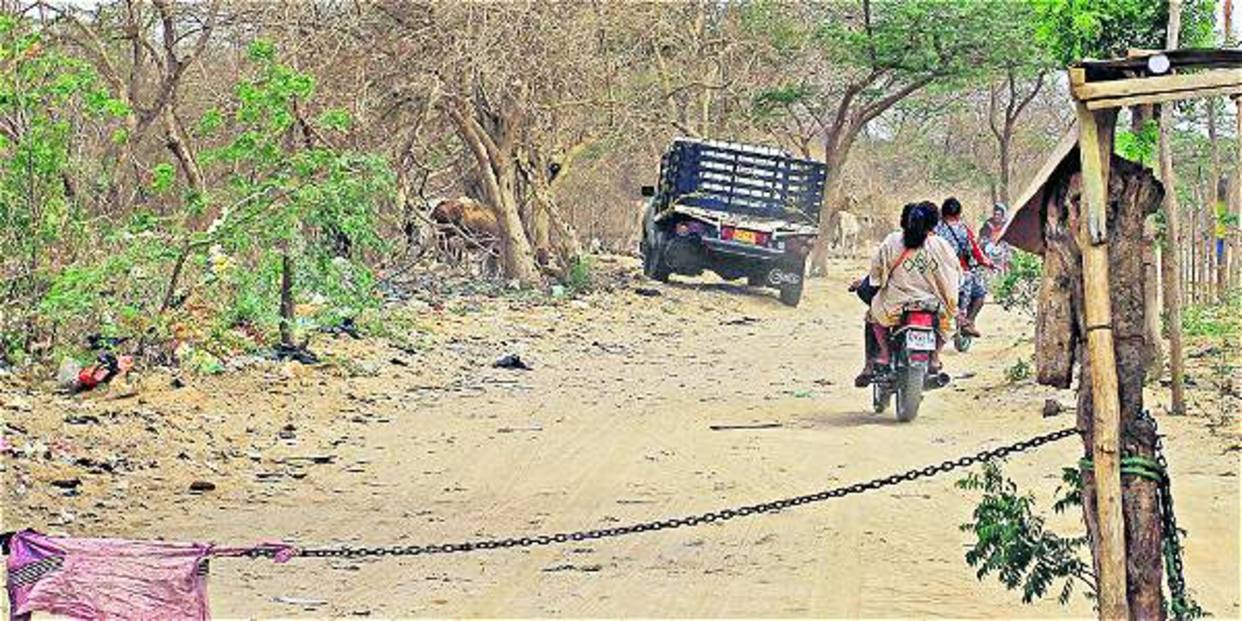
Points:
x=1096 y=148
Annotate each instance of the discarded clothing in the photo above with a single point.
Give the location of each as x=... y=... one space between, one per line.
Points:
x=113 y=578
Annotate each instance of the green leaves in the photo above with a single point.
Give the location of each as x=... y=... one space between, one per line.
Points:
x=1011 y=541
x=1072 y=30
x=1019 y=287
x=1139 y=146
x=262 y=50
x=162 y=177
x=769 y=101
x=292 y=194
x=335 y=119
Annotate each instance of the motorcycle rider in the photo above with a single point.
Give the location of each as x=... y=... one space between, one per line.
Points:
x=911 y=267
x=990 y=238
x=970 y=257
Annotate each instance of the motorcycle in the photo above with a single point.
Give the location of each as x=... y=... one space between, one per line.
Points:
x=908 y=373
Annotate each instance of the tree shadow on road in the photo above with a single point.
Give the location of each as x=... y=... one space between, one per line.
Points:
x=757 y=293
x=845 y=420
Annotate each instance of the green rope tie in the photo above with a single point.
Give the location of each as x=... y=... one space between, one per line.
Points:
x=1133 y=465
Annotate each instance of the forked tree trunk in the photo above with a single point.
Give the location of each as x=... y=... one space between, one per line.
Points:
x=1006 y=142
x=496 y=159
x=517 y=256
x=1061 y=336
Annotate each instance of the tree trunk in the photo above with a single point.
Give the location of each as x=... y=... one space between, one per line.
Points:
x=834 y=190
x=1235 y=199
x=1133 y=195
x=1006 y=143
x=286 y=301
x=517 y=256
x=496 y=159
x=174 y=139
x=1151 y=305
x=1172 y=286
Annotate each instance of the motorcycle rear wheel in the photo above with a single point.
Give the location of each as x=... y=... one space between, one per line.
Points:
x=910 y=391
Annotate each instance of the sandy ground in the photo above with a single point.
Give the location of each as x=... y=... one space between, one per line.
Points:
x=421 y=441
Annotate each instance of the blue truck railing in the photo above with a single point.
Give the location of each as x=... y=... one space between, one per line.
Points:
x=738 y=178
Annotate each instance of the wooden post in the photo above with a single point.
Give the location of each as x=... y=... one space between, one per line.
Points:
x=1096 y=147
x=1235 y=200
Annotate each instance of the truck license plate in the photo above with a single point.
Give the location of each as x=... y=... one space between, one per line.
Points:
x=743 y=236
x=920 y=340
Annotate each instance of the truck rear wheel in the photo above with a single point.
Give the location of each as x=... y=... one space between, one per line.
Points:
x=791 y=293
x=653 y=259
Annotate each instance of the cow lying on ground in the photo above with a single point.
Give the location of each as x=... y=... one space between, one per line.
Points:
x=465 y=226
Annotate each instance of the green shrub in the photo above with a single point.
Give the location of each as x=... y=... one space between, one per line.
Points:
x=1215 y=320
x=581 y=278
x=1019 y=287
x=1013 y=542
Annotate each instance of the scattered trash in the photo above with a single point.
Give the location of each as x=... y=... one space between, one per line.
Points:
x=346 y=326
x=752 y=426
x=744 y=320
x=572 y=567
x=314 y=459
x=84 y=419
x=515 y=429
x=71 y=376
x=67 y=483
x=67 y=374
x=298 y=601
x=287 y=432
x=648 y=292
x=512 y=361
x=97 y=342
x=202 y=486
x=177 y=382
x=399 y=362
x=298 y=353
x=558 y=291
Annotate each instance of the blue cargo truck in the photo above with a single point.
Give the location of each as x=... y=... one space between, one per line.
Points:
x=741 y=211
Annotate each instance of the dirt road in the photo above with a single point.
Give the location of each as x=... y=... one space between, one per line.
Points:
x=426 y=443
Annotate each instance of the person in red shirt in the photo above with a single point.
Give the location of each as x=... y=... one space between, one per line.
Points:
x=972 y=258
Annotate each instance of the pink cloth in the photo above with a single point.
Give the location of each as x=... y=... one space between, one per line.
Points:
x=113 y=578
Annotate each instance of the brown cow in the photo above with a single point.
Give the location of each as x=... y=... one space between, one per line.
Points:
x=464 y=225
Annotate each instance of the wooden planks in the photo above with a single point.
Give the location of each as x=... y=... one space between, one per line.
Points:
x=1151 y=90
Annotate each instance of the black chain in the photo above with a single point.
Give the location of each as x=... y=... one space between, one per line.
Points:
x=691 y=520
x=1179 y=605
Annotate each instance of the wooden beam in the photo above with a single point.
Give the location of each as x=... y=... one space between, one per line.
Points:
x=1155 y=98
x=1096 y=149
x=1157 y=84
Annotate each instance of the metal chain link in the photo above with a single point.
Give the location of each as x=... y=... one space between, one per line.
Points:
x=690 y=520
